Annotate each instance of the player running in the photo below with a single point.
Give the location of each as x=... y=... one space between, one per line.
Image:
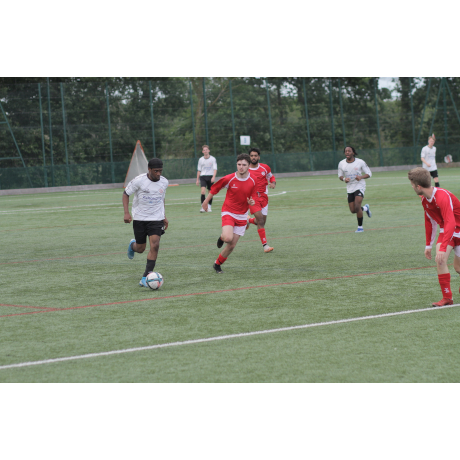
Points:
x=206 y=173
x=441 y=207
x=241 y=187
x=351 y=171
x=261 y=173
x=148 y=213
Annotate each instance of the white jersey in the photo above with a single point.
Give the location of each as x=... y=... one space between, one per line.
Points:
x=429 y=155
x=206 y=166
x=149 y=196
x=351 y=170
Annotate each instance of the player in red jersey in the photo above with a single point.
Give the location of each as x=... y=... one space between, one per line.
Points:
x=262 y=173
x=241 y=187
x=441 y=208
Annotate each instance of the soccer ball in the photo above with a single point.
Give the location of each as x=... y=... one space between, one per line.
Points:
x=154 y=280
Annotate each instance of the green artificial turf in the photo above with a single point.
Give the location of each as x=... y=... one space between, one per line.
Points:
x=68 y=289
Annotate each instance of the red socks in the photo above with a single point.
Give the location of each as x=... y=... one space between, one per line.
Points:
x=263 y=238
x=444 y=282
x=251 y=221
x=220 y=260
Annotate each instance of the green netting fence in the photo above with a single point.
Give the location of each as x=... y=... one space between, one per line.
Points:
x=79 y=131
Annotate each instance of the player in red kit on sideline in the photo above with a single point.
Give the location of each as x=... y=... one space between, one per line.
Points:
x=241 y=187
x=261 y=173
x=441 y=208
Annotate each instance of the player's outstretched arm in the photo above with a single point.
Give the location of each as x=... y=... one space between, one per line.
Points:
x=127 y=217
x=205 y=203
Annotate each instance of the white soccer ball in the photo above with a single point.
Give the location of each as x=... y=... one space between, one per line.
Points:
x=154 y=280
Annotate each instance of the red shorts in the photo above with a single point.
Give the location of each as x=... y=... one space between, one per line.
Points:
x=261 y=202
x=455 y=241
x=229 y=220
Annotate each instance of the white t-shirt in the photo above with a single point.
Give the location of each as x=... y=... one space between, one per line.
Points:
x=207 y=166
x=149 y=196
x=429 y=155
x=351 y=170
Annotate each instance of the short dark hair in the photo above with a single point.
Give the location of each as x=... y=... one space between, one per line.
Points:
x=155 y=163
x=254 y=150
x=243 y=156
x=352 y=148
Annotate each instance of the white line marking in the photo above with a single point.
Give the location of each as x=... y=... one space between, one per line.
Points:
x=102 y=205
x=222 y=337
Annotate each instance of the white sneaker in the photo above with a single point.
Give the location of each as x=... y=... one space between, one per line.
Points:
x=202 y=210
x=209 y=208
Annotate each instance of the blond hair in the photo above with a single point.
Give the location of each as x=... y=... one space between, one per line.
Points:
x=420 y=176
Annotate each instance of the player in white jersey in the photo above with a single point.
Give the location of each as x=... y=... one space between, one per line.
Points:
x=353 y=171
x=428 y=156
x=149 y=218
x=206 y=174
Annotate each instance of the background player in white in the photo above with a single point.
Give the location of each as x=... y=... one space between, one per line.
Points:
x=263 y=175
x=206 y=174
x=428 y=156
x=240 y=189
x=351 y=171
x=149 y=218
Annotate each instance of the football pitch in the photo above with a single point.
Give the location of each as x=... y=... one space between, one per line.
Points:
x=327 y=305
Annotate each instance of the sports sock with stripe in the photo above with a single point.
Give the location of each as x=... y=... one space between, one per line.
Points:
x=444 y=282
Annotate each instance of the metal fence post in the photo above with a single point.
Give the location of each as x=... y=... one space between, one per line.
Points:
x=151 y=118
x=445 y=115
x=193 y=119
x=45 y=173
x=51 y=132
x=271 y=131
x=308 y=124
x=423 y=113
x=205 y=111
x=378 y=122
x=413 y=122
x=341 y=115
x=65 y=134
x=110 y=132
x=453 y=102
x=233 y=117
x=435 y=110
x=332 y=121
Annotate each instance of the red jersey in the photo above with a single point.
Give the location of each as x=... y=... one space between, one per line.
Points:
x=238 y=192
x=444 y=209
x=262 y=174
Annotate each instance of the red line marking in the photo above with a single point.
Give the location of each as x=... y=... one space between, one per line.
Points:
x=22 y=306
x=203 y=245
x=218 y=292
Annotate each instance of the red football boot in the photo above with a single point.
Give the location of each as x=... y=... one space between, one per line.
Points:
x=443 y=302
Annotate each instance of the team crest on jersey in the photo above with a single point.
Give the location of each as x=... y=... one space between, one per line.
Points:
x=263 y=173
x=161 y=190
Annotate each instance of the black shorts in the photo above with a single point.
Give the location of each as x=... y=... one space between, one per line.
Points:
x=434 y=173
x=351 y=196
x=144 y=228
x=205 y=181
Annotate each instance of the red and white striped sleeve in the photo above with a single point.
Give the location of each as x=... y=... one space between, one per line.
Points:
x=220 y=184
x=444 y=202
x=431 y=226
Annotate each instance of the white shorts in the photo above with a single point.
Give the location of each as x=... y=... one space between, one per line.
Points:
x=265 y=210
x=239 y=230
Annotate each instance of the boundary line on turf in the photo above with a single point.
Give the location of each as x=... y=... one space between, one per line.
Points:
x=221 y=337
x=287 y=283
